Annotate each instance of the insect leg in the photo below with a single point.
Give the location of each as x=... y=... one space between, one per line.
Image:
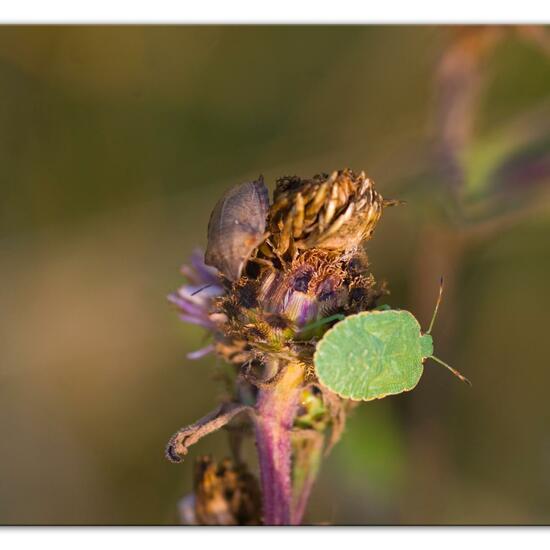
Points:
x=454 y=371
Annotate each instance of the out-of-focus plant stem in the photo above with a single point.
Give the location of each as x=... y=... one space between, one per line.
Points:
x=307 y=454
x=276 y=409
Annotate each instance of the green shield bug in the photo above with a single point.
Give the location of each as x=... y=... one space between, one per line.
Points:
x=376 y=353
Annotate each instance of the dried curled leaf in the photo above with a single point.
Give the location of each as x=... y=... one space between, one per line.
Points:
x=180 y=442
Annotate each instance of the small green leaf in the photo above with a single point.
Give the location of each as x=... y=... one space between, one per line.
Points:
x=372 y=354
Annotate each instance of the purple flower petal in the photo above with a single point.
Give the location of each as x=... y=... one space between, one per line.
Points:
x=197 y=321
x=205 y=273
x=195 y=299
x=201 y=352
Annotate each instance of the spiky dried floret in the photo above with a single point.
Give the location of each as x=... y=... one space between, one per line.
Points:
x=333 y=212
x=233 y=350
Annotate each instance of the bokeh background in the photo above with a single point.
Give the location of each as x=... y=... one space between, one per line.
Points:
x=115 y=142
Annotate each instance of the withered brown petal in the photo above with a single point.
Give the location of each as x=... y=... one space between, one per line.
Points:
x=236 y=227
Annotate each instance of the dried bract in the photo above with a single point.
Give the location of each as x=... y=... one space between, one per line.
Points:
x=225 y=493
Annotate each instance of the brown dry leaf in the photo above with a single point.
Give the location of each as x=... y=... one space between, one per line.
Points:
x=180 y=442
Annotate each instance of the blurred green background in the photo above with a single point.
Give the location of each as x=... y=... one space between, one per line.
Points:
x=115 y=143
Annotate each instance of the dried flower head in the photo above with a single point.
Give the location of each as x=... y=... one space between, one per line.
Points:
x=335 y=212
x=309 y=266
x=225 y=493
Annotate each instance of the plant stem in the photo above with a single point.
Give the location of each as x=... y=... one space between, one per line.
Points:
x=276 y=408
x=307 y=454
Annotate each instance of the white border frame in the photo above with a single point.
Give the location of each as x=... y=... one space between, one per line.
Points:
x=280 y=11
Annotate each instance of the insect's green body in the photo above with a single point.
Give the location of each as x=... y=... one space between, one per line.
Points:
x=373 y=354
x=376 y=353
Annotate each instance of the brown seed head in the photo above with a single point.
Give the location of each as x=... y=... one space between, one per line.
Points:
x=225 y=493
x=333 y=212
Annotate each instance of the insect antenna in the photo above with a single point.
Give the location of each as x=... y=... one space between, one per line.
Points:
x=436 y=306
x=201 y=289
x=454 y=371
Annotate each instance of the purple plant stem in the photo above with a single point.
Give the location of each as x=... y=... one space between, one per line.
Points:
x=276 y=408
